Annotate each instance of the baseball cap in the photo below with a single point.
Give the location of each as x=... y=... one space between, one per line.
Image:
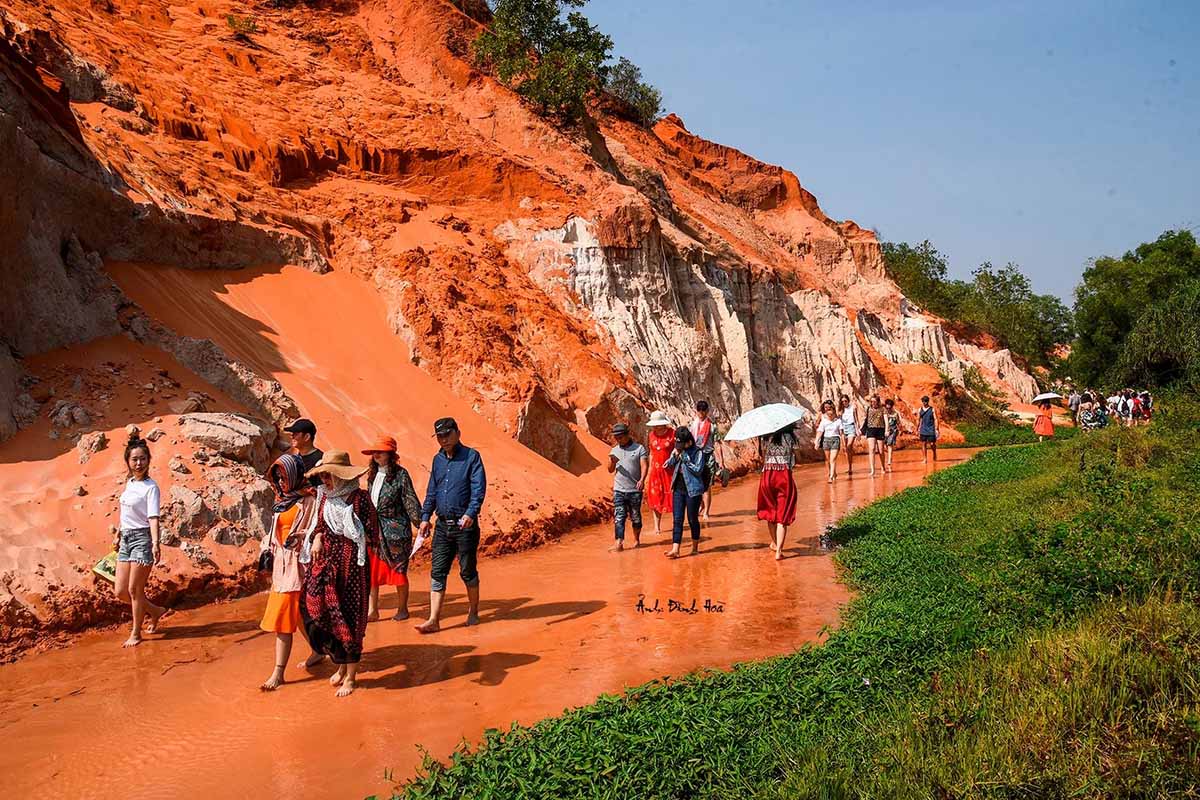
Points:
x=620 y=428
x=444 y=425
x=302 y=425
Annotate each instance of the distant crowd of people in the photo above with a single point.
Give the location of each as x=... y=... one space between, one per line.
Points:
x=1091 y=410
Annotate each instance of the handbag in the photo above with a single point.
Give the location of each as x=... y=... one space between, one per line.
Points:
x=266 y=561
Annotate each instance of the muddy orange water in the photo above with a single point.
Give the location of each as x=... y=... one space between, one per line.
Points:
x=181 y=715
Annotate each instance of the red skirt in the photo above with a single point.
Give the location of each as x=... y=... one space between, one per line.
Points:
x=777 y=497
x=1043 y=425
x=382 y=574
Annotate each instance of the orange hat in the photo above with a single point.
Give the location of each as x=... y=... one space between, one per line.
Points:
x=384 y=444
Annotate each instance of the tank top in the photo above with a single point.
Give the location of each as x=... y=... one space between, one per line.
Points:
x=874 y=417
x=848 y=415
x=926 y=415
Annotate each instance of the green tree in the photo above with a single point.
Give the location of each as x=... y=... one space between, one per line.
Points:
x=1163 y=349
x=625 y=83
x=553 y=60
x=1115 y=292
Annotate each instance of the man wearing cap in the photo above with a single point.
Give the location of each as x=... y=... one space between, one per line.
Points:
x=629 y=462
x=457 y=485
x=304 y=437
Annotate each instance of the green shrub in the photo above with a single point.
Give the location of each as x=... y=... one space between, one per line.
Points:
x=625 y=83
x=242 y=27
x=553 y=61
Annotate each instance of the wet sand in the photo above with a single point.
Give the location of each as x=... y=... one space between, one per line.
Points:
x=181 y=715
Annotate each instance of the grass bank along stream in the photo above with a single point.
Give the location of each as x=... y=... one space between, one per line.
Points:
x=1025 y=625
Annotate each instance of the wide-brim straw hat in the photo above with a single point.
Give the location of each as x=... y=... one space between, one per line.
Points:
x=337 y=463
x=383 y=444
x=658 y=419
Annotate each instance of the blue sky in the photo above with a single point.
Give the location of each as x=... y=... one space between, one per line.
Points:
x=1043 y=133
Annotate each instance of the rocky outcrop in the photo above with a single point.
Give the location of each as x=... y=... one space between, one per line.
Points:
x=234 y=436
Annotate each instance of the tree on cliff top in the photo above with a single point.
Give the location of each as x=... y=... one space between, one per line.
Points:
x=625 y=83
x=554 y=61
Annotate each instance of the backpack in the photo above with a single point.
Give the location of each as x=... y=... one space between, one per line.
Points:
x=1123 y=407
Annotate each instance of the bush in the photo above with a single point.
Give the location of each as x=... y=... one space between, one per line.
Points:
x=242 y=27
x=1163 y=349
x=553 y=61
x=625 y=83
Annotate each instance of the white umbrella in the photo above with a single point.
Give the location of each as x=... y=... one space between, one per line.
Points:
x=1046 y=396
x=763 y=420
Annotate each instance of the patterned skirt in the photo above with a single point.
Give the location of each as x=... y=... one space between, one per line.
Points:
x=333 y=601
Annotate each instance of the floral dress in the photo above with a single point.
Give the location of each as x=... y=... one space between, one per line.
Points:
x=333 y=601
x=658 y=482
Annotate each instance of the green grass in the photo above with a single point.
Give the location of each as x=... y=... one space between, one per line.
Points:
x=1001 y=433
x=974 y=594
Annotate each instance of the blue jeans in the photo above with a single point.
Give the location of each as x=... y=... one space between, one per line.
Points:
x=627 y=504
x=681 y=503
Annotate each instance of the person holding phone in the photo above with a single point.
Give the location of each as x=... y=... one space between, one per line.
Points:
x=457 y=485
x=138 y=548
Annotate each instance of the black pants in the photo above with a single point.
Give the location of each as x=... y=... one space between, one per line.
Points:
x=691 y=505
x=449 y=541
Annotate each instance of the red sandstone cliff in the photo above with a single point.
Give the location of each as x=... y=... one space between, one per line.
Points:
x=539 y=282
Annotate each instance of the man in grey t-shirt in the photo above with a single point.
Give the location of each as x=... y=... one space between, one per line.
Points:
x=629 y=462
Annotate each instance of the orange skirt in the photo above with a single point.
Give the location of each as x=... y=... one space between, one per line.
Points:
x=283 y=612
x=383 y=575
x=1043 y=425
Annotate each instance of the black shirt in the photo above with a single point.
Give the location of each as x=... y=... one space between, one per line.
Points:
x=310 y=460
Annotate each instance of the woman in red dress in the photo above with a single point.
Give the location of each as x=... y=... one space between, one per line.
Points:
x=1043 y=426
x=660 y=443
x=776 y=487
x=334 y=595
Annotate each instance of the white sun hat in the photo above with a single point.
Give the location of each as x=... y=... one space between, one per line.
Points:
x=657 y=419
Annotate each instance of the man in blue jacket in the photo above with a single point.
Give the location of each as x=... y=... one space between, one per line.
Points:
x=457 y=484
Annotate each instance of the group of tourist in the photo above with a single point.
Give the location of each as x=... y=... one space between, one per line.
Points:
x=1091 y=410
x=332 y=544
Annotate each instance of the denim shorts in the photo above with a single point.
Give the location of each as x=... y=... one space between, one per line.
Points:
x=831 y=443
x=136 y=546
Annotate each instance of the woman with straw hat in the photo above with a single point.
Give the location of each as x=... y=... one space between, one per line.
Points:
x=398 y=507
x=660 y=441
x=333 y=600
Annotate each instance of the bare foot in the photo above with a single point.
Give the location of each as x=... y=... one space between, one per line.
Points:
x=616 y=548
x=373 y=617
x=401 y=614
x=311 y=661
x=672 y=553
x=347 y=688
x=152 y=625
x=272 y=683
x=637 y=542
x=428 y=626
x=473 y=618
x=337 y=677
x=132 y=641
x=778 y=554
x=695 y=548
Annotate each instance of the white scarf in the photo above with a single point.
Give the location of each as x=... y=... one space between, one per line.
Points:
x=340 y=518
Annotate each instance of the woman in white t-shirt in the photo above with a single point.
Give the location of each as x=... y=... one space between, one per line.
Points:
x=138 y=542
x=830 y=436
x=849 y=422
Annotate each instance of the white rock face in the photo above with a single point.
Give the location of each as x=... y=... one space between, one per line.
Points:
x=690 y=326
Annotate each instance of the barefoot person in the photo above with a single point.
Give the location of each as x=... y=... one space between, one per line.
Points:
x=704 y=435
x=830 y=437
x=398 y=509
x=1043 y=426
x=874 y=428
x=295 y=514
x=687 y=489
x=630 y=463
x=849 y=420
x=457 y=485
x=659 y=442
x=891 y=430
x=927 y=429
x=776 y=487
x=333 y=600
x=138 y=543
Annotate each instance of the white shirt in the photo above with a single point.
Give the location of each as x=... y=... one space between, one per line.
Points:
x=377 y=486
x=848 y=416
x=139 y=502
x=829 y=428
